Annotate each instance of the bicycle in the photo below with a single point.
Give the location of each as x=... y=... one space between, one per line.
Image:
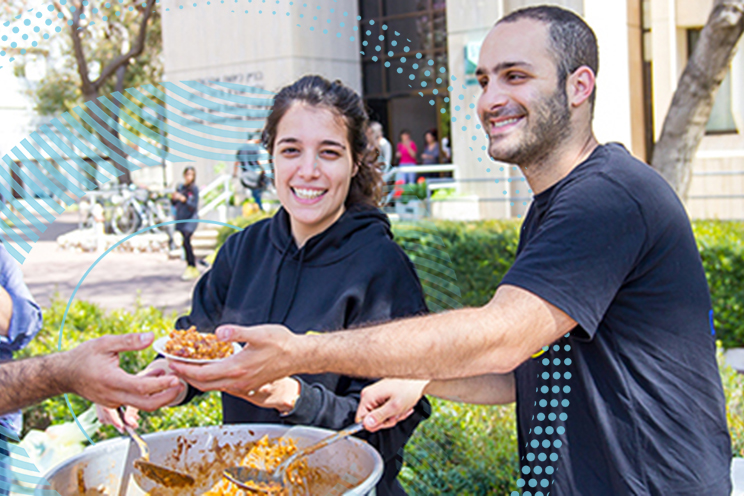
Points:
x=142 y=208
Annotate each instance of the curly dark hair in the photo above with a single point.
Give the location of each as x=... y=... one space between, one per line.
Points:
x=366 y=185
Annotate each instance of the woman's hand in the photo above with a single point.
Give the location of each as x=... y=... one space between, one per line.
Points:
x=389 y=401
x=109 y=416
x=280 y=395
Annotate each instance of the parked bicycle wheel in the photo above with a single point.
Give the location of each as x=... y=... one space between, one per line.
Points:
x=126 y=219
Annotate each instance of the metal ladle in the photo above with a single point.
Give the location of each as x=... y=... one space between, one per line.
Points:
x=162 y=475
x=261 y=480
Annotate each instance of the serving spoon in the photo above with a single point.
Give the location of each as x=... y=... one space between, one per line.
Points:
x=261 y=480
x=162 y=475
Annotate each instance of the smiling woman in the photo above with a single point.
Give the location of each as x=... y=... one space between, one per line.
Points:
x=326 y=261
x=313 y=168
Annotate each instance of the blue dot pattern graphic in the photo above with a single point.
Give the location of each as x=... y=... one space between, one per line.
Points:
x=546 y=432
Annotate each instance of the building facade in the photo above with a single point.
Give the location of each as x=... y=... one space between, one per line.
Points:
x=644 y=46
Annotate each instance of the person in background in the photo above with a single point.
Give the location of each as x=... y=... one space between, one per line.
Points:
x=249 y=171
x=430 y=155
x=20 y=320
x=186 y=201
x=446 y=149
x=406 y=155
x=386 y=149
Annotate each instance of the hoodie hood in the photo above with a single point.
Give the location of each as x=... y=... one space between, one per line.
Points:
x=355 y=228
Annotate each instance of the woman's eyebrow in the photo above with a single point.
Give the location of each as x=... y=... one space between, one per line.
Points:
x=333 y=143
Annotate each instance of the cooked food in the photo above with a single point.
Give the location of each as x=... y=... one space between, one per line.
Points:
x=196 y=345
x=268 y=454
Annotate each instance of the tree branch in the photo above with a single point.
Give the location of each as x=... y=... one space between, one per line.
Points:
x=134 y=51
x=77 y=44
x=692 y=103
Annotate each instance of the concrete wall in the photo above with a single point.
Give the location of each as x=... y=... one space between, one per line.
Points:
x=261 y=50
x=470 y=21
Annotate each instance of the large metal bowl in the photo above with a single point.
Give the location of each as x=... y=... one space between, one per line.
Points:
x=204 y=452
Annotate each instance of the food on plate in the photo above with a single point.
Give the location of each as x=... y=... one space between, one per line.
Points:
x=195 y=345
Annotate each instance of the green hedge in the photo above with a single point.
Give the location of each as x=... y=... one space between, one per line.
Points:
x=462 y=449
x=722 y=250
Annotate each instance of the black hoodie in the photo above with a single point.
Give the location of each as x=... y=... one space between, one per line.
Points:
x=351 y=274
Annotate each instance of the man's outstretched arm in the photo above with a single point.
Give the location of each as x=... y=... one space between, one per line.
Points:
x=92 y=371
x=493 y=339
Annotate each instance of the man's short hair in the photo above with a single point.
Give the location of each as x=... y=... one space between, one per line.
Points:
x=572 y=41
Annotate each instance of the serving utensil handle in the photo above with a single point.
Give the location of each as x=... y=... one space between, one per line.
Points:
x=144 y=451
x=353 y=429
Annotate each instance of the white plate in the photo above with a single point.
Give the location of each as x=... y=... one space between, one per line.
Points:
x=159 y=346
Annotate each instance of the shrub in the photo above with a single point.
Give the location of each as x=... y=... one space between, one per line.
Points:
x=242 y=222
x=463 y=261
x=462 y=449
x=733 y=389
x=721 y=247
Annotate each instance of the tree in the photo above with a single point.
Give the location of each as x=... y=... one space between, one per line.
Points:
x=101 y=57
x=684 y=125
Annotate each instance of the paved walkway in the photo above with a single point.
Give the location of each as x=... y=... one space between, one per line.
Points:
x=115 y=282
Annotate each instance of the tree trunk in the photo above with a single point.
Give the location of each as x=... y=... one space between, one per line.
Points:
x=92 y=99
x=684 y=125
x=117 y=66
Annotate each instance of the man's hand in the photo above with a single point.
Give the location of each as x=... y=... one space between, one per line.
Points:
x=92 y=371
x=109 y=416
x=265 y=358
x=389 y=401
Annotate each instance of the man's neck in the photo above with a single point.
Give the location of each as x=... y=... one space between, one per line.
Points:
x=558 y=164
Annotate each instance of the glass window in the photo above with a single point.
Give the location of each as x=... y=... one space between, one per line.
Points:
x=721 y=117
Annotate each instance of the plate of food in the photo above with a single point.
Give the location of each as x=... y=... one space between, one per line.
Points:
x=194 y=347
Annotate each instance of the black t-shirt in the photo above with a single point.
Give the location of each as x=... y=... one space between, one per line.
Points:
x=630 y=402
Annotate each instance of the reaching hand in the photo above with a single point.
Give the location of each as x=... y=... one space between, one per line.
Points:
x=92 y=371
x=265 y=358
x=389 y=401
x=109 y=416
x=280 y=395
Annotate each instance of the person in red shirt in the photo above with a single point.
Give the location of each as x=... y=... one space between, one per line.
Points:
x=406 y=155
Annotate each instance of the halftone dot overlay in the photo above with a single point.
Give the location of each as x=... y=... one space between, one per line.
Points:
x=211 y=120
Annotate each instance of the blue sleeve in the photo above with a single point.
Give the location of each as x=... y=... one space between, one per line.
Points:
x=394 y=293
x=26 y=319
x=583 y=251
